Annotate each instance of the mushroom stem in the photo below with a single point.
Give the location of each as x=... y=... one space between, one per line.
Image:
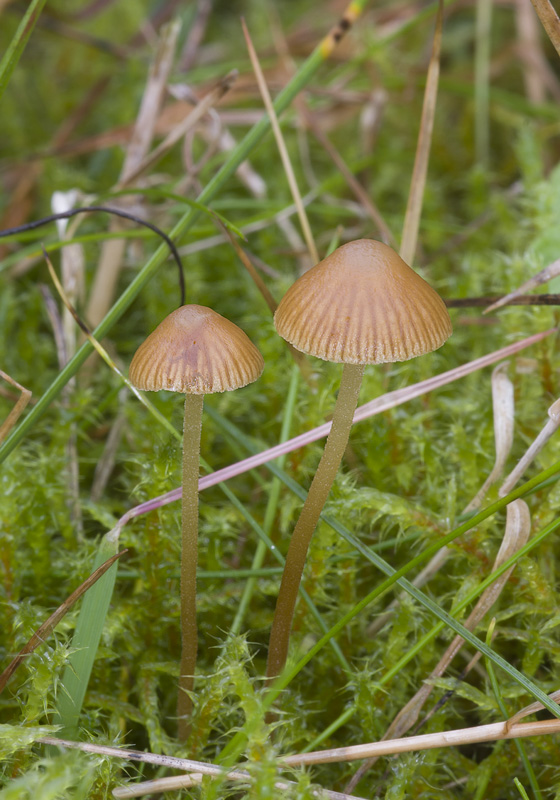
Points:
x=343 y=414
x=189 y=551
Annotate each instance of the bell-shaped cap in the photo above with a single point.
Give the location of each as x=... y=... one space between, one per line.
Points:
x=195 y=351
x=363 y=305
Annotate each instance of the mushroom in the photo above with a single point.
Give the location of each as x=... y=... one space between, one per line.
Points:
x=361 y=305
x=195 y=351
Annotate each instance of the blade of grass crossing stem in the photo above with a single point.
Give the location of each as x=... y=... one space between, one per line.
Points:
x=238 y=155
x=85 y=643
x=420 y=170
x=17 y=45
x=502 y=706
x=271 y=506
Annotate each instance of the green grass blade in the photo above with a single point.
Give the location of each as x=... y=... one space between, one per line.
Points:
x=17 y=45
x=85 y=643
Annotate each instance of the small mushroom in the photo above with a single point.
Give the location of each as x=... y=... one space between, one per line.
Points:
x=195 y=351
x=360 y=305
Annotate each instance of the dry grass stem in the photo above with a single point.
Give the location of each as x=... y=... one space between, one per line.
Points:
x=359 y=191
x=517 y=300
x=177 y=782
x=530 y=50
x=548 y=273
x=535 y=448
x=160 y=785
x=281 y=147
x=181 y=763
x=17 y=410
x=550 y=21
x=428 y=741
x=531 y=709
x=100 y=350
x=181 y=129
x=196 y=35
x=42 y=633
x=420 y=171
x=504 y=411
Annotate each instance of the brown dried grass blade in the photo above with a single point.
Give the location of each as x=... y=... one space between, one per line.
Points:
x=359 y=191
x=263 y=88
x=550 y=21
x=530 y=709
x=17 y=410
x=504 y=412
x=201 y=108
x=418 y=182
x=534 y=449
x=45 y=630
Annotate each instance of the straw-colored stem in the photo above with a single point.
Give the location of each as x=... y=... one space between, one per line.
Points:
x=320 y=487
x=189 y=552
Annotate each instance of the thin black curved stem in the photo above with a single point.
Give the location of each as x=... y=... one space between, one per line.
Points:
x=29 y=226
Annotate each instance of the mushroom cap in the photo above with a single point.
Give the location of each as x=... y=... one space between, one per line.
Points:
x=363 y=305
x=195 y=351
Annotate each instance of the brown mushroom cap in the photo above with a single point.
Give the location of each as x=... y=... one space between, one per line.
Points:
x=363 y=305
x=195 y=351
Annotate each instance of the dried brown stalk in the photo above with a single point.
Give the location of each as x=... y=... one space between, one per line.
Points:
x=550 y=21
x=418 y=181
x=17 y=410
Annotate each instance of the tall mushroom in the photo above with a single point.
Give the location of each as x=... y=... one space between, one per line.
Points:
x=195 y=351
x=360 y=305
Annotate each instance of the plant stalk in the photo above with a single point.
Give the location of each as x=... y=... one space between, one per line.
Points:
x=320 y=487
x=189 y=555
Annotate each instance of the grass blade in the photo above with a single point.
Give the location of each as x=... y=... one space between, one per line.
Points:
x=17 y=45
x=85 y=642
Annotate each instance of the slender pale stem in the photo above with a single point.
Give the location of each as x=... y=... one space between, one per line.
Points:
x=189 y=553
x=320 y=487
